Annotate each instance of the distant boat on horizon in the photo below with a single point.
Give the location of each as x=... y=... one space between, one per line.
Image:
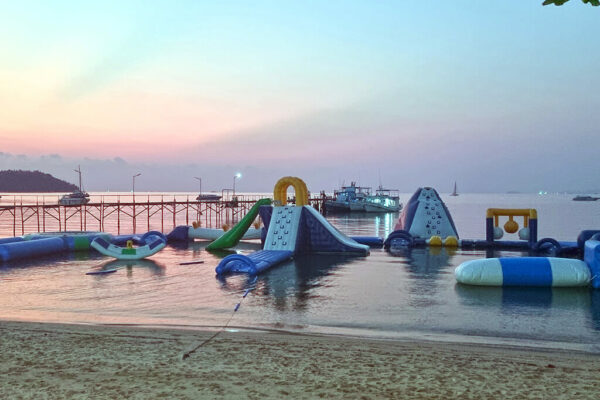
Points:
x=208 y=197
x=585 y=198
x=454 y=193
x=76 y=198
x=355 y=198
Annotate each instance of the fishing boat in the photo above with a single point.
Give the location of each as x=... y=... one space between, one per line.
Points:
x=208 y=197
x=585 y=198
x=454 y=193
x=355 y=198
x=348 y=198
x=76 y=198
x=384 y=200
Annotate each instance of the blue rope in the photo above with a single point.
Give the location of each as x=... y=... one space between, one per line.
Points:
x=237 y=307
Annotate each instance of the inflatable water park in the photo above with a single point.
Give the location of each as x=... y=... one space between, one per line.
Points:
x=426 y=221
x=293 y=230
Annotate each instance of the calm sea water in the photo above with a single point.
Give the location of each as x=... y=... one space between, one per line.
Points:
x=410 y=294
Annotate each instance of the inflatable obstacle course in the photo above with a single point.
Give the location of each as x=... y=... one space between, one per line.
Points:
x=45 y=244
x=426 y=215
x=494 y=232
x=283 y=230
x=221 y=238
x=426 y=221
x=235 y=234
x=291 y=230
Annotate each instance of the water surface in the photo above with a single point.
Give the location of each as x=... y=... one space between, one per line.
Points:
x=400 y=294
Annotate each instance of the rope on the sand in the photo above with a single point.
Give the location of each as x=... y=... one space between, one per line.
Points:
x=237 y=307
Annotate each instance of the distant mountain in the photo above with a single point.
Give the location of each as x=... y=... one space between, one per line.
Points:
x=32 y=182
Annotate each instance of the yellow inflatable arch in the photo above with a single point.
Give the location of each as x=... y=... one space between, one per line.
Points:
x=281 y=187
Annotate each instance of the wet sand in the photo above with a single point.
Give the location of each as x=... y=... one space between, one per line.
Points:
x=51 y=361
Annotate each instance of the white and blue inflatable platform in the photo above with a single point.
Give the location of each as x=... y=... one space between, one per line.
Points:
x=291 y=230
x=524 y=271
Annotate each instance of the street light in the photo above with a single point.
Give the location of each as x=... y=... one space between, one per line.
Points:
x=133 y=185
x=238 y=175
x=200 y=186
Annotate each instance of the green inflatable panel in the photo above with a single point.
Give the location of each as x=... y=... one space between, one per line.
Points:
x=233 y=236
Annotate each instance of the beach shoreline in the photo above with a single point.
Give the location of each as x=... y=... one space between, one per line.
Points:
x=48 y=360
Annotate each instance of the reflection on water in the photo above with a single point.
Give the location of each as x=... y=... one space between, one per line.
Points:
x=296 y=284
x=595 y=309
x=524 y=299
x=292 y=285
x=425 y=267
x=425 y=263
x=151 y=265
x=364 y=224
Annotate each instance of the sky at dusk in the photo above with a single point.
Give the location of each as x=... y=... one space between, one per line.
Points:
x=497 y=96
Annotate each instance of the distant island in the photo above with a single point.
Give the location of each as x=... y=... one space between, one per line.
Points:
x=18 y=181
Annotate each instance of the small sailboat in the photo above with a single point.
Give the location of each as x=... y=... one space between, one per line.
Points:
x=454 y=193
x=76 y=198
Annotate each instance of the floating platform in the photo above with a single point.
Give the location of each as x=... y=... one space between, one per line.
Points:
x=150 y=243
x=524 y=271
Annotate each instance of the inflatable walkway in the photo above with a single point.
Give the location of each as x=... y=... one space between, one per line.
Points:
x=291 y=230
x=43 y=244
x=254 y=263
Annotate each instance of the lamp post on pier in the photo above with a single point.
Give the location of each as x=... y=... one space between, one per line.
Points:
x=133 y=185
x=199 y=187
x=133 y=191
x=236 y=176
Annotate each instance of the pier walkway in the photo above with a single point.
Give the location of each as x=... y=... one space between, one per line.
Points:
x=124 y=214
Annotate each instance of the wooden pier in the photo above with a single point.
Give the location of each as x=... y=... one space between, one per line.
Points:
x=129 y=216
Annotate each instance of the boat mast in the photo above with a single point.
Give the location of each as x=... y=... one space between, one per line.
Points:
x=78 y=170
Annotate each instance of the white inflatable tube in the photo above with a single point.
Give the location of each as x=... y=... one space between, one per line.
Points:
x=155 y=245
x=524 y=271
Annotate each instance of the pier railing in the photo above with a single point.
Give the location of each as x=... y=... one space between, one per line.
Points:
x=129 y=216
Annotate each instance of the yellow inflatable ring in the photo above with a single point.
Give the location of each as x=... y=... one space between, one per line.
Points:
x=281 y=187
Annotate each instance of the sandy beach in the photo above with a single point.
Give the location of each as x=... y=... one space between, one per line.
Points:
x=52 y=361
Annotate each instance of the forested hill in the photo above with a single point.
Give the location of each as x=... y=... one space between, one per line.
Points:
x=31 y=182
